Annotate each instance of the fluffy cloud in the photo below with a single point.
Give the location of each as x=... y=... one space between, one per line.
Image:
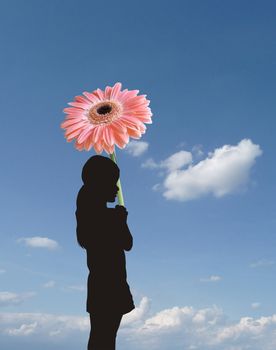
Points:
x=172 y=163
x=39 y=242
x=39 y=324
x=24 y=329
x=10 y=298
x=209 y=328
x=138 y=314
x=177 y=161
x=173 y=328
x=136 y=148
x=225 y=170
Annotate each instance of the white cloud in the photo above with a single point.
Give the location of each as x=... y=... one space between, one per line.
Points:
x=197 y=150
x=10 y=298
x=255 y=305
x=39 y=242
x=150 y=164
x=212 y=278
x=209 y=328
x=137 y=148
x=24 y=329
x=138 y=314
x=224 y=171
x=169 y=318
x=172 y=163
x=251 y=330
x=49 y=284
x=177 y=161
x=42 y=324
x=173 y=328
x=2 y=271
x=262 y=263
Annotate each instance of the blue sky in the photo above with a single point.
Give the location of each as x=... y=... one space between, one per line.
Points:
x=203 y=239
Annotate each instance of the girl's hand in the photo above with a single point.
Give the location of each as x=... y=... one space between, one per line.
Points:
x=121 y=212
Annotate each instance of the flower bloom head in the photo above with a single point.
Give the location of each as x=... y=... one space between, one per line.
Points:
x=103 y=119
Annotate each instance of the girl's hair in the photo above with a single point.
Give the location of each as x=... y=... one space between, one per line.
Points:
x=96 y=173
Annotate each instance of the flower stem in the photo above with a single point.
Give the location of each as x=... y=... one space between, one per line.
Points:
x=120 y=192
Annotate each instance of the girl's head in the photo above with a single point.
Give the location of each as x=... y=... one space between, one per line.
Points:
x=100 y=175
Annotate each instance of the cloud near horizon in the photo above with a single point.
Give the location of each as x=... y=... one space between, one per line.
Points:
x=173 y=328
x=224 y=171
x=10 y=298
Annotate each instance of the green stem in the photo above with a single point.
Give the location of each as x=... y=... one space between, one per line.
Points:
x=120 y=192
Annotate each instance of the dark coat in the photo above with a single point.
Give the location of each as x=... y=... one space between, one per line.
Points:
x=106 y=236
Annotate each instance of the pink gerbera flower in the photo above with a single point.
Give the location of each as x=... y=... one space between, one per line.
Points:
x=103 y=119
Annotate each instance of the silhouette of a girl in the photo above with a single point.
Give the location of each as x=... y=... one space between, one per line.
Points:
x=104 y=233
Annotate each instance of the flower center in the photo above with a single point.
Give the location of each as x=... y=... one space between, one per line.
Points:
x=105 y=109
x=104 y=112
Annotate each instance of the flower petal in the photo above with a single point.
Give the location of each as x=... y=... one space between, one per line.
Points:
x=88 y=144
x=99 y=93
x=69 y=122
x=109 y=149
x=118 y=127
x=134 y=133
x=73 y=110
x=74 y=127
x=108 y=136
x=80 y=105
x=107 y=92
x=121 y=140
x=85 y=134
x=128 y=95
x=98 y=147
x=82 y=99
x=97 y=134
x=91 y=97
x=78 y=146
x=72 y=135
x=131 y=122
x=115 y=90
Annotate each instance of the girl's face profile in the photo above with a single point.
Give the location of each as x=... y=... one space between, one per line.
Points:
x=101 y=175
x=111 y=191
x=107 y=190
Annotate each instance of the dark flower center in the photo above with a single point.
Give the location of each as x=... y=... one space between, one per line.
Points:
x=105 y=109
x=104 y=112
